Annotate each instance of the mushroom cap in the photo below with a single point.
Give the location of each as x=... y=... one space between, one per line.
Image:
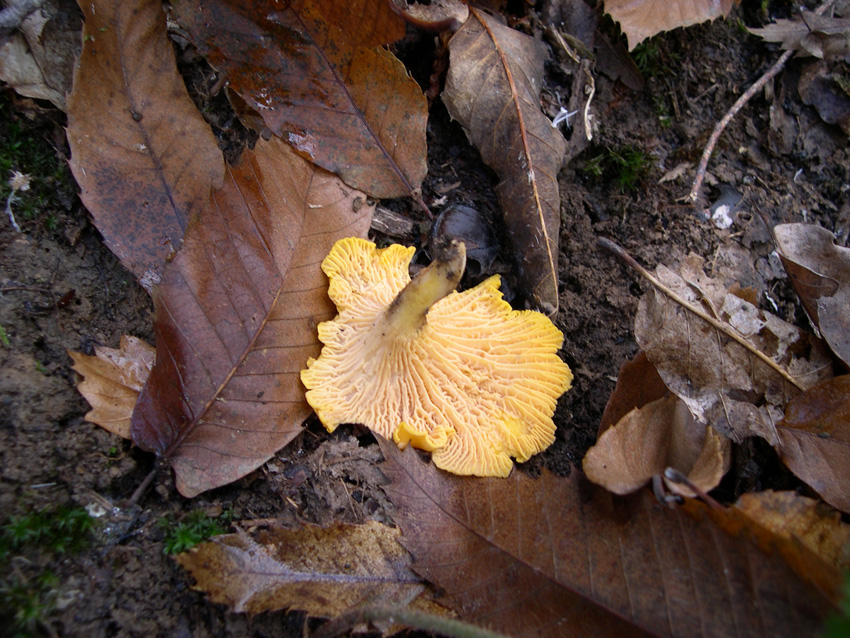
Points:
x=476 y=383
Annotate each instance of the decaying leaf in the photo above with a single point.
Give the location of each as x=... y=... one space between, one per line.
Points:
x=314 y=72
x=820 y=273
x=813 y=523
x=722 y=383
x=815 y=439
x=822 y=85
x=112 y=382
x=651 y=438
x=493 y=90
x=236 y=317
x=638 y=383
x=642 y=19
x=322 y=571
x=560 y=557
x=142 y=154
x=826 y=37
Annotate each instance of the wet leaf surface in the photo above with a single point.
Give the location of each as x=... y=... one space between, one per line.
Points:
x=314 y=72
x=140 y=150
x=236 y=318
x=557 y=556
x=493 y=90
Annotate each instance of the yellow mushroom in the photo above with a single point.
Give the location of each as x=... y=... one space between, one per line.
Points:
x=462 y=375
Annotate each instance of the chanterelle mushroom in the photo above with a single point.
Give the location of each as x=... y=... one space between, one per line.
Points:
x=462 y=375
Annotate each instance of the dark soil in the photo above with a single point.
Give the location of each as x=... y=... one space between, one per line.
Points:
x=63 y=290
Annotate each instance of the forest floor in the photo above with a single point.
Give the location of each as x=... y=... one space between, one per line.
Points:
x=63 y=290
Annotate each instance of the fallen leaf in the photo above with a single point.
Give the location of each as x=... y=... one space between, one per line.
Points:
x=642 y=19
x=559 y=557
x=493 y=90
x=637 y=384
x=814 y=438
x=314 y=72
x=813 y=523
x=437 y=15
x=724 y=384
x=112 y=382
x=651 y=438
x=820 y=273
x=825 y=37
x=821 y=86
x=140 y=151
x=322 y=571
x=236 y=317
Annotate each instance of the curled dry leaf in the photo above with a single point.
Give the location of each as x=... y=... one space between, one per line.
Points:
x=648 y=440
x=820 y=273
x=112 y=382
x=322 y=571
x=724 y=384
x=142 y=154
x=236 y=317
x=642 y=19
x=812 y=522
x=438 y=15
x=826 y=37
x=815 y=439
x=493 y=90
x=637 y=384
x=314 y=71
x=560 y=557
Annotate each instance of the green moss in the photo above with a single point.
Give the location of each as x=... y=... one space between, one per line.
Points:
x=838 y=625
x=192 y=529
x=625 y=166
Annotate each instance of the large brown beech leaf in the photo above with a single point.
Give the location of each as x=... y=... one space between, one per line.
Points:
x=641 y=19
x=236 y=317
x=140 y=151
x=323 y=571
x=311 y=70
x=493 y=90
x=815 y=439
x=559 y=557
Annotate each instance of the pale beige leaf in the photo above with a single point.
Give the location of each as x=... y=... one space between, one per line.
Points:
x=642 y=19
x=648 y=440
x=322 y=571
x=112 y=382
x=813 y=523
x=724 y=384
x=493 y=90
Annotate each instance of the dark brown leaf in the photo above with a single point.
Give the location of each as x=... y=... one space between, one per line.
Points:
x=493 y=90
x=815 y=439
x=642 y=19
x=323 y=571
x=142 y=154
x=724 y=384
x=312 y=71
x=236 y=318
x=559 y=557
x=637 y=384
x=820 y=273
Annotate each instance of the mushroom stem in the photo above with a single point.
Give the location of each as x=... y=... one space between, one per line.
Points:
x=406 y=313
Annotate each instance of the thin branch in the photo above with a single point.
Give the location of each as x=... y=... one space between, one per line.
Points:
x=628 y=259
x=693 y=196
x=408 y=617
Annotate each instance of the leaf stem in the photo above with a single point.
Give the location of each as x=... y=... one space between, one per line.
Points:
x=628 y=259
x=410 y=618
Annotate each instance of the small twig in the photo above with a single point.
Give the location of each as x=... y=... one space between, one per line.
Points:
x=136 y=496
x=408 y=617
x=675 y=476
x=627 y=258
x=693 y=196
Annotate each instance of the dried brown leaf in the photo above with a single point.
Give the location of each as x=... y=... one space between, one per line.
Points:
x=112 y=382
x=642 y=19
x=826 y=37
x=142 y=154
x=236 y=317
x=820 y=273
x=493 y=90
x=560 y=557
x=812 y=522
x=648 y=440
x=815 y=439
x=724 y=384
x=322 y=571
x=312 y=71
x=637 y=384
